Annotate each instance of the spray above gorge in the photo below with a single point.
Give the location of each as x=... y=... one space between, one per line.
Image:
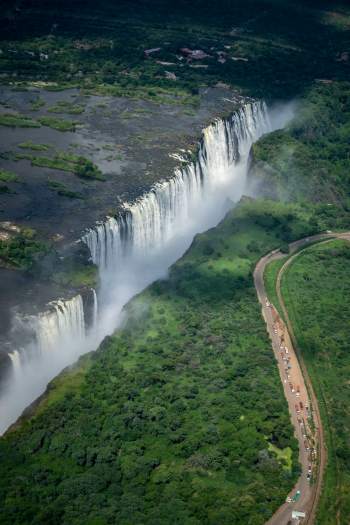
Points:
x=133 y=249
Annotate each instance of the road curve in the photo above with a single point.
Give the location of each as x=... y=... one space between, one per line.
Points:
x=312 y=451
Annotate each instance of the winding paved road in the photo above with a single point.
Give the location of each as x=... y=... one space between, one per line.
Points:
x=297 y=388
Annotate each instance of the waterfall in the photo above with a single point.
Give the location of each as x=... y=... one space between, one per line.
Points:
x=133 y=249
x=50 y=332
x=172 y=205
x=16 y=363
x=61 y=325
x=94 y=309
x=49 y=341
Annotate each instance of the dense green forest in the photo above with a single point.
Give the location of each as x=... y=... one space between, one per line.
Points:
x=309 y=160
x=267 y=48
x=316 y=290
x=179 y=410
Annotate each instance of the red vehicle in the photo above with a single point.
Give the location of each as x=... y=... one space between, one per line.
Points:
x=301 y=405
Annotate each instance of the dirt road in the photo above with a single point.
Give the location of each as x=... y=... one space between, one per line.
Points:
x=298 y=390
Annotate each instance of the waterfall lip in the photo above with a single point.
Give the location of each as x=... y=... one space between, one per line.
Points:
x=129 y=205
x=223 y=144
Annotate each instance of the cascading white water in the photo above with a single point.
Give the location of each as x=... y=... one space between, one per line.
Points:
x=16 y=363
x=94 y=310
x=62 y=325
x=55 y=338
x=136 y=248
x=165 y=211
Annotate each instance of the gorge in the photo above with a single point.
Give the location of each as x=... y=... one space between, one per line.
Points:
x=133 y=249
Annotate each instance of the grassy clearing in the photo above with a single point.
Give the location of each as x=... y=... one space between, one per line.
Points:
x=283 y=455
x=58 y=123
x=66 y=107
x=36 y=104
x=14 y=120
x=8 y=176
x=47 y=162
x=80 y=166
x=17 y=120
x=34 y=146
x=316 y=289
x=62 y=190
x=77 y=277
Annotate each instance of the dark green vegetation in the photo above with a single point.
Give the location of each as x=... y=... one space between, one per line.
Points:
x=16 y=120
x=87 y=169
x=20 y=121
x=309 y=161
x=21 y=250
x=8 y=176
x=66 y=107
x=57 y=162
x=63 y=191
x=5 y=189
x=78 y=165
x=58 y=123
x=76 y=275
x=37 y=103
x=255 y=45
x=316 y=291
x=35 y=147
x=24 y=251
x=176 y=412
